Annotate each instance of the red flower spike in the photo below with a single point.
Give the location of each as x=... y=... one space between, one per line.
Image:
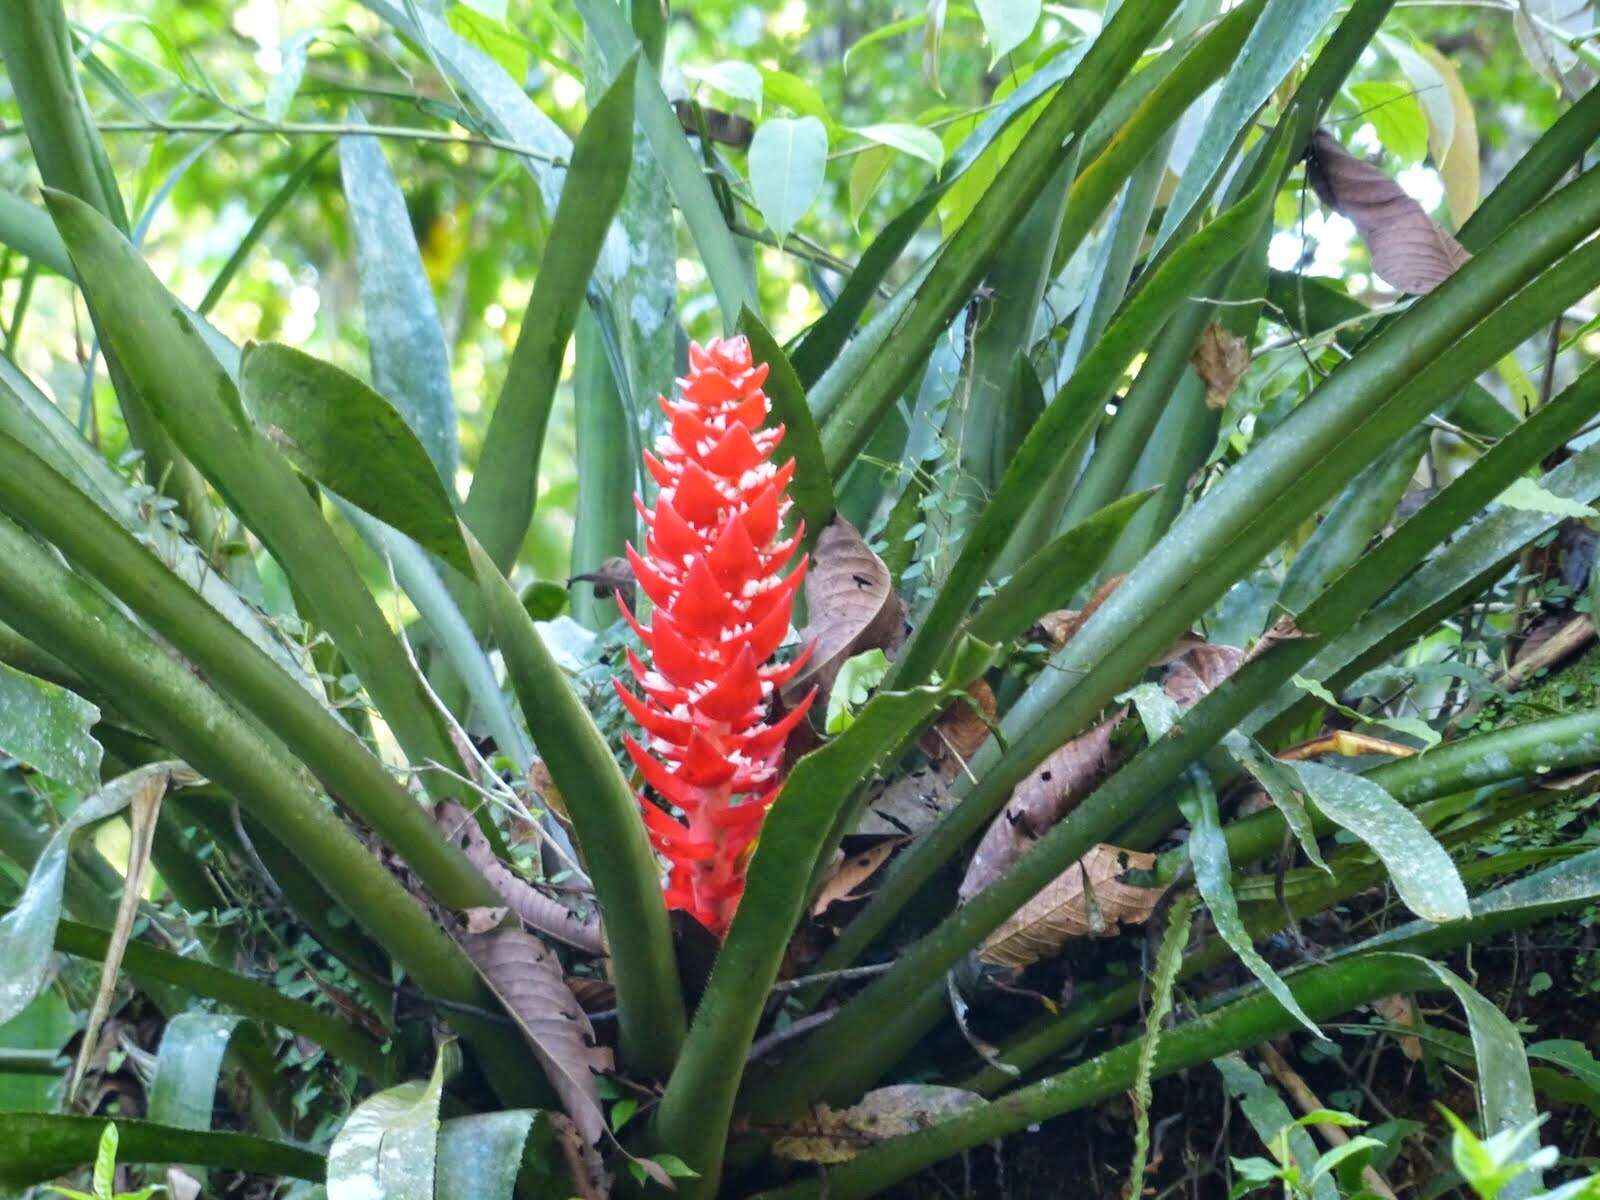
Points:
x=713 y=569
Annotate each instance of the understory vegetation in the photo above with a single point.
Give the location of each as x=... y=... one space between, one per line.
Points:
x=799 y=600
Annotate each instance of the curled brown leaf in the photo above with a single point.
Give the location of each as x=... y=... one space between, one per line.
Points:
x=1408 y=248
x=851 y=604
x=1220 y=358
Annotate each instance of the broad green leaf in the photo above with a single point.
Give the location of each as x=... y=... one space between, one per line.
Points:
x=105 y=1162
x=1270 y=1117
x=350 y=439
x=291 y=70
x=27 y=229
x=1429 y=88
x=479 y=1157
x=1007 y=24
x=1158 y=712
x=811 y=489
x=1049 y=579
x=28 y=931
x=1281 y=784
x=852 y=688
x=1527 y=495
x=735 y=79
x=187 y=1065
x=1280 y=36
x=504 y=490
x=1423 y=873
x=1395 y=114
x=1505 y=1087
x=866 y=174
x=1213 y=877
x=1330 y=1161
x=410 y=364
x=42 y=1146
x=908 y=139
x=387 y=1146
x=47 y=728
x=486 y=29
x=794 y=93
x=787 y=158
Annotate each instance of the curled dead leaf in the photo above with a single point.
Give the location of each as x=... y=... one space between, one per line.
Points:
x=1401 y=1010
x=1088 y=899
x=965 y=726
x=1220 y=358
x=1059 y=626
x=1052 y=790
x=1200 y=670
x=852 y=605
x=1408 y=248
x=536 y=909
x=526 y=977
x=856 y=869
x=482 y=920
x=831 y=1135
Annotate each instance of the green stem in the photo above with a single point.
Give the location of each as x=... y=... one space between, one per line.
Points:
x=32 y=492
x=47 y=603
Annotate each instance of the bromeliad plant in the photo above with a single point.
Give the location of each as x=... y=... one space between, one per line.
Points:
x=1061 y=569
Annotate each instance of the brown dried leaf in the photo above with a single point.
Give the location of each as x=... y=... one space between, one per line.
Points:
x=728 y=128
x=1048 y=794
x=1200 y=670
x=526 y=976
x=482 y=920
x=1088 y=899
x=956 y=736
x=850 y=874
x=539 y=911
x=1401 y=1010
x=583 y=1161
x=1059 y=626
x=593 y=993
x=852 y=606
x=1220 y=358
x=910 y=804
x=1408 y=248
x=838 y=1135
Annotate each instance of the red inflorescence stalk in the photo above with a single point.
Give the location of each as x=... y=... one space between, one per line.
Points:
x=712 y=567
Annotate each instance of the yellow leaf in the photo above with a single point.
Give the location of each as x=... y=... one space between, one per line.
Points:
x=1457 y=159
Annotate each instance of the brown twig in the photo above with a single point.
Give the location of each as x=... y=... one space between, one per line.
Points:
x=1306 y=1101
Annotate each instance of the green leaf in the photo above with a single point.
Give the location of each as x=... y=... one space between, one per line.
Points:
x=1168 y=959
x=387 y=1146
x=1330 y=1161
x=866 y=174
x=105 y=1163
x=787 y=159
x=481 y=1156
x=1526 y=495
x=187 y=1065
x=489 y=33
x=1213 y=873
x=1505 y=1089
x=1281 y=784
x=796 y=94
x=1423 y=873
x=47 y=728
x=291 y=70
x=1412 y=726
x=698 y=1102
x=40 y=1146
x=27 y=932
x=1269 y=1116
x=27 y=229
x=857 y=678
x=735 y=79
x=1396 y=116
x=544 y=599
x=1281 y=35
x=350 y=439
x=504 y=490
x=1008 y=24
x=908 y=139
x=1049 y=579
x=410 y=364
x=811 y=489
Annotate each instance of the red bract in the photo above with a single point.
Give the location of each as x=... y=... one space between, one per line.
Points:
x=713 y=567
